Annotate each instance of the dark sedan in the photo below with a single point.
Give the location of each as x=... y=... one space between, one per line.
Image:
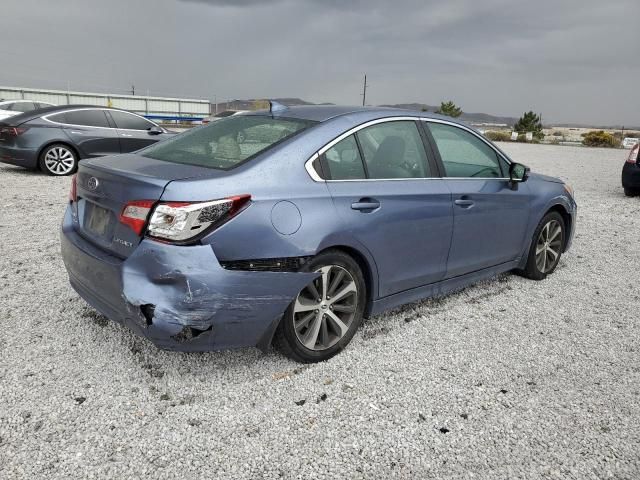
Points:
x=631 y=173
x=54 y=139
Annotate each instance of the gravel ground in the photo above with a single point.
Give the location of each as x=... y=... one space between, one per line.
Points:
x=507 y=379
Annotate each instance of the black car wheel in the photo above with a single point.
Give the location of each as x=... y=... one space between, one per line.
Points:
x=325 y=315
x=58 y=160
x=631 y=192
x=546 y=247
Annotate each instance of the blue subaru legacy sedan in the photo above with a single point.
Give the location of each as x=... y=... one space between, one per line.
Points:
x=288 y=226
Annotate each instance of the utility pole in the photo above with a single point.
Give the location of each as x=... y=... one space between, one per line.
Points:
x=364 y=90
x=133 y=89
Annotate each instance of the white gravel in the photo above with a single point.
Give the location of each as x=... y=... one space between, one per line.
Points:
x=508 y=379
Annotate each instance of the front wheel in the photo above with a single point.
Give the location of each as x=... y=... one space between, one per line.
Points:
x=546 y=247
x=325 y=315
x=58 y=160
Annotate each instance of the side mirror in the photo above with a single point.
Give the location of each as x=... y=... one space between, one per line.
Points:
x=518 y=173
x=155 y=130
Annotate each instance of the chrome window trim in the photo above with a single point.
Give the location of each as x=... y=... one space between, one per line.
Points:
x=467 y=129
x=312 y=171
x=316 y=178
x=46 y=118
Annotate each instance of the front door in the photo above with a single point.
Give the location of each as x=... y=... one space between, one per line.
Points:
x=384 y=189
x=134 y=131
x=490 y=217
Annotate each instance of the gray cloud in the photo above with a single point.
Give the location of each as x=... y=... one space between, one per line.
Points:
x=572 y=60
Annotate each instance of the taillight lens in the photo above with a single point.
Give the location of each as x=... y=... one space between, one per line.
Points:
x=633 y=154
x=135 y=214
x=181 y=221
x=12 y=131
x=73 y=193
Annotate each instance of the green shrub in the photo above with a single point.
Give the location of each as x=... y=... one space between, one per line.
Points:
x=600 y=138
x=498 y=136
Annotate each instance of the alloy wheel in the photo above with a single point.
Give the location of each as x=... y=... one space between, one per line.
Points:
x=59 y=161
x=548 y=246
x=324 y=309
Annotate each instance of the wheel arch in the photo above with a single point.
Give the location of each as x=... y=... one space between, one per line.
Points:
x=566 y=217
x=369 y=271
x=66 y=143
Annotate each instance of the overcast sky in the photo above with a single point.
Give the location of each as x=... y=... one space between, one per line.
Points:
x=573 y=60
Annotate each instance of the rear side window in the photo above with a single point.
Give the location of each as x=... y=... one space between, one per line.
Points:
x=7 y=106
x=86 y=118
x=227 y=142
x=394 y=150
x=463 y=154
x=128 y=121
x=343 y=160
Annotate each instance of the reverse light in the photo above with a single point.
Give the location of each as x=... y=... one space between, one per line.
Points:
x=73 y=193
x=135 y=214
x=180 y=221
x=633 y=154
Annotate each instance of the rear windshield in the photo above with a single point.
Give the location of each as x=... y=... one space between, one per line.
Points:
x=228 y=142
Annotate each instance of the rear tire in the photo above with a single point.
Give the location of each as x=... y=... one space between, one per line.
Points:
x=546 y=247
x=316 y=326
x=631 y=192
x=58 y=160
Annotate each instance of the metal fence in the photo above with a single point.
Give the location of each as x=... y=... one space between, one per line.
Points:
x=143 y=105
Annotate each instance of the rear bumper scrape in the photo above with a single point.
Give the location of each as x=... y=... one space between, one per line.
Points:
x=193 y=296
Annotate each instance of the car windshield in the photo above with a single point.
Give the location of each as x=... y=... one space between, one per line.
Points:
x=228 y=142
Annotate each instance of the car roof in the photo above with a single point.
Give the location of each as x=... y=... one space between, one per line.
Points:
x=40 y=112
x=323 y=113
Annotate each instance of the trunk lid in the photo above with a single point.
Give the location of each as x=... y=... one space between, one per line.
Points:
x=105 y=186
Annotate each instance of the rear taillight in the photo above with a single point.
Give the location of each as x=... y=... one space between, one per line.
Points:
x=135 y=214
x=73 y=193
x=181 y=221
x=633 y=154
x=12 y=131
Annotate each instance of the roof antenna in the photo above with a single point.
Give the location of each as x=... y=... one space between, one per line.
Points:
x=275 y=107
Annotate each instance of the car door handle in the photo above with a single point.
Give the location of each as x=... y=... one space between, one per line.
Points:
x=126 y=135
x=464 y=203
x=366 y=204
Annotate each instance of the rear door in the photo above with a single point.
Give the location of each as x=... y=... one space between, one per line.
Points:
x=386 y=191
x=89 y=131
x=134 y=131
x=490 y=217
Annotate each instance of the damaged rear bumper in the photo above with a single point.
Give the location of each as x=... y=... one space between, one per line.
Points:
x=179 y=297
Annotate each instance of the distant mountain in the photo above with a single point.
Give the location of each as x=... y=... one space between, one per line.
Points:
x=466 y=116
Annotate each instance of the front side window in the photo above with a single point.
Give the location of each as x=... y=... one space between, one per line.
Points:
x=463 y=154
x=343 y=160
x=394 y=150
x=128 y=121
x=85 y=118
x=227 y=142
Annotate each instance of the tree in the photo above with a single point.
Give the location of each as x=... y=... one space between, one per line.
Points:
x=449 y=109
x=600 y=138
x=530 y=122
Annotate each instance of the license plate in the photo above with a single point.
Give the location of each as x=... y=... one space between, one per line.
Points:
x=98 y=221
